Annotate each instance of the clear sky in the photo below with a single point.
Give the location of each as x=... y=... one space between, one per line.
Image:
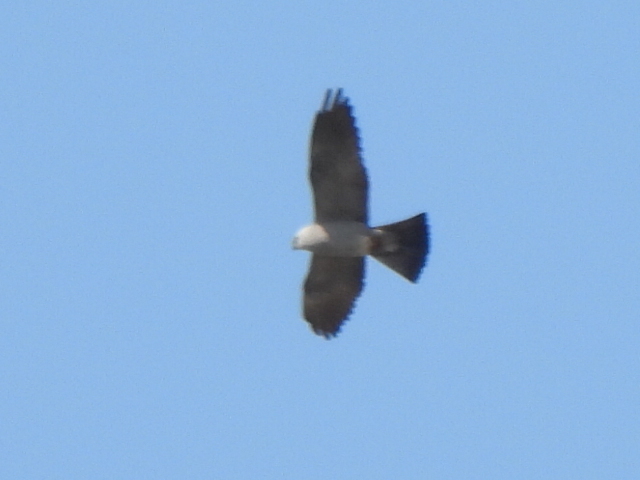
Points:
x=153 y=173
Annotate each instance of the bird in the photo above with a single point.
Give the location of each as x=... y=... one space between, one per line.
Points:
x=340 y=237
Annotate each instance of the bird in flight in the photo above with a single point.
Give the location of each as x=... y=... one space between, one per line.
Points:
x=340 y=237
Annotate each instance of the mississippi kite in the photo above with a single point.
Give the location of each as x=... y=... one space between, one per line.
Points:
x=340 y=237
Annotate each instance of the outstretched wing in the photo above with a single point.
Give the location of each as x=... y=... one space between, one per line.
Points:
x=337 y=175
x=330 y=290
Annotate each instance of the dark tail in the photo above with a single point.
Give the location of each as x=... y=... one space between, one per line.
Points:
x=403 y=246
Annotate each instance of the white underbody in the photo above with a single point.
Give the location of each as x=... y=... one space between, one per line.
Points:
x=338 y=239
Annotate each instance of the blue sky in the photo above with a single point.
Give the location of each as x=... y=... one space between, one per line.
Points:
x=153 y=172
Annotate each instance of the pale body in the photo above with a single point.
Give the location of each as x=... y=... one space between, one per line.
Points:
x=339 y=239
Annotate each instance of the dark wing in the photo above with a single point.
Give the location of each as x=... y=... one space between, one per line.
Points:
x=338 y=178
x=330 y=290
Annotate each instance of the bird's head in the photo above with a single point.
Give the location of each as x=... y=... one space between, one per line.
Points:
x=309 y=238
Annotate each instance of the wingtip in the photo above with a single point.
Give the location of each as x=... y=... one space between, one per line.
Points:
x=327 y=100
x=332 y=100
x=325 y=334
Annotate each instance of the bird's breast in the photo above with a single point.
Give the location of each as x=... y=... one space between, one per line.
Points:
x=339 y=239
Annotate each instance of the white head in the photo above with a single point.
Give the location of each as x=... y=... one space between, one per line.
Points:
x=310 y=238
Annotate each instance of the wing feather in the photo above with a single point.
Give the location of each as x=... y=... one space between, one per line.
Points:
x=330 y=290
x=337 y=175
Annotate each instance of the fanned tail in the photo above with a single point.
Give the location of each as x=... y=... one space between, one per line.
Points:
x=404 y=246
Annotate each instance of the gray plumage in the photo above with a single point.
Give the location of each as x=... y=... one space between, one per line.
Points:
x=340 y=237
